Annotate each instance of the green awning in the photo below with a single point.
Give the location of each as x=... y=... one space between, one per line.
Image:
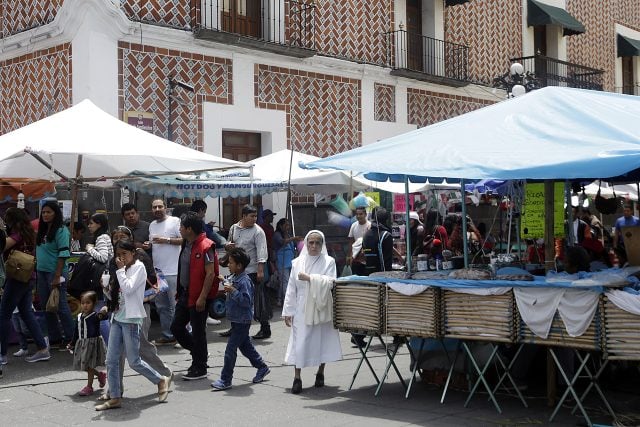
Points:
x=543 y=14
x=628 y=46
x=455 y=2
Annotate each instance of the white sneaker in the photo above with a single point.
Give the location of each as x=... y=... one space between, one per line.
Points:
x=177 y=346
x=21 y=352
x=212 y=321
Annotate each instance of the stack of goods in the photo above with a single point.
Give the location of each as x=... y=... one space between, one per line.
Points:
x=358 y=307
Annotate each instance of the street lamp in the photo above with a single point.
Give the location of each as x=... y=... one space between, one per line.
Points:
x=516 y=81
x=172 y=85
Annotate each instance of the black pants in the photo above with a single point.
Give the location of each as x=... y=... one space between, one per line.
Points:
x=196 y=340
x=264 y=323
x=359 y=269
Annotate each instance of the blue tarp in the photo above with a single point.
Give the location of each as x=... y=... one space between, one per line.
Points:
x=550 y=133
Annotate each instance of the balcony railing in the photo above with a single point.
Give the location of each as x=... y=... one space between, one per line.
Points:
x=281 y=26
x=436 y=60
x=553 y=72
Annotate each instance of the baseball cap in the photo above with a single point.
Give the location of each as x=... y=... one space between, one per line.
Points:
x=268 y=212
x=414 y=215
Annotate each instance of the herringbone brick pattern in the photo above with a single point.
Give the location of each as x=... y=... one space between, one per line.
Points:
x=384 y=102
x=34 y=86
x=425 y=107
x=354 y=29
x=20 y=15
x=323 y=111
x=174 y=13
x=143 y=82
x=596 y=46
x=492 y=30
x=628 y=13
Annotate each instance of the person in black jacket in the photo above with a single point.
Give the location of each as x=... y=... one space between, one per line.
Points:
x=377 y=243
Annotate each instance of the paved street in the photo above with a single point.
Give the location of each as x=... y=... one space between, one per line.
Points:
x=46 y=394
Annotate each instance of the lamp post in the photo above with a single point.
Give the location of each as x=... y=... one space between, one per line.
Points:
x=516 y=81
x=172 y=85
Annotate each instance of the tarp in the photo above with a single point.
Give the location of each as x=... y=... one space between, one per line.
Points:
x=550 y=133
x=32 y=190
x=108 y=146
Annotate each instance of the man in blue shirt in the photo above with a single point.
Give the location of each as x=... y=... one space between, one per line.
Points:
x=627 y=220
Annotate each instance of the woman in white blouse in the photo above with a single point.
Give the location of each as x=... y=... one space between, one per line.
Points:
x=101 y=249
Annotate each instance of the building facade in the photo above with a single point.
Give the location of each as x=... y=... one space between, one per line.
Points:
x=243 y=78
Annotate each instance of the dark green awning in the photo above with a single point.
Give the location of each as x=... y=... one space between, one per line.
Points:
x=628 y=46
x=455 y=2
x=543 y=14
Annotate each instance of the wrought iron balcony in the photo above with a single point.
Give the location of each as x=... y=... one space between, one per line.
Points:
x=553 y=72
x=280 y=27
x=425 y=58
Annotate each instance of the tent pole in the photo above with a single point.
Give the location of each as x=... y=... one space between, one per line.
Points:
x=465 y=239
x=74 y=194
x=407 y=230
x=549 y=244
x=48 y=165
x=288 y=214
x=251 y=179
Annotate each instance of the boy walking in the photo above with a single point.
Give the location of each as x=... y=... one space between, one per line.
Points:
x=239 y=290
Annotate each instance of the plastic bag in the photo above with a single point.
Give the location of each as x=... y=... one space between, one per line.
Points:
x=261 y=307
x=53 y=301
x=346 y=271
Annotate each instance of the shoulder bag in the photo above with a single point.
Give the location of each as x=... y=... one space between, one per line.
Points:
x=86 y=276
x=20 y=265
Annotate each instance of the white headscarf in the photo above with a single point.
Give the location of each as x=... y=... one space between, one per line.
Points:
x=304 y=253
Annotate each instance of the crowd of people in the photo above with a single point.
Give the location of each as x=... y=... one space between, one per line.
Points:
x=173 y=263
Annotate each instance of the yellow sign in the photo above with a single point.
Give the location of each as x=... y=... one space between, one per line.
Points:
x=533 y=218
x=374 y=195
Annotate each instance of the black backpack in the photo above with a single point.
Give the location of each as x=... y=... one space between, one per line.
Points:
x=86 y=276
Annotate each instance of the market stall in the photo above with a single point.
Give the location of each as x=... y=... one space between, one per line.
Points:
x=549 y=134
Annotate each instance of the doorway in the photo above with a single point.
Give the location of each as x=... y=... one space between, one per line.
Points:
x=243 y=147
x=241 y=17
x=414 y=35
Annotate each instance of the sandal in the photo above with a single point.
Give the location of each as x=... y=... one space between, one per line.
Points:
x=104 y=397
x=109 y=404
x=163 y=389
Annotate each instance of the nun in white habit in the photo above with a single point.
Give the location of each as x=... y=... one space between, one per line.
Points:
x=308 y=310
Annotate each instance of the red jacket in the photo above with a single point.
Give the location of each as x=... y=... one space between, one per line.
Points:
x=197 y=272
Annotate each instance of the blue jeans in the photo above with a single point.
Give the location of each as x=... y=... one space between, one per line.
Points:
x=239 y=340
x=17 y=294
x=64 y=312
x=166 y=306
x=125 y=338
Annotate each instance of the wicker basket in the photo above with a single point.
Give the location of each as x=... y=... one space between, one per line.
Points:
x=622 y=333
x=358 y=307
x=413 y=316
x=479 y=317
x=558 y=336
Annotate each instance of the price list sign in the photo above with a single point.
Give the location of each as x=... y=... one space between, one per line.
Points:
x=533 y=218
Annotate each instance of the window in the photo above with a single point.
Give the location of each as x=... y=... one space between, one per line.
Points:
x=627 y=75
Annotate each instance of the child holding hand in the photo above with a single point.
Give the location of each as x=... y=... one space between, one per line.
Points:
x=89 y=350
x=239 y=290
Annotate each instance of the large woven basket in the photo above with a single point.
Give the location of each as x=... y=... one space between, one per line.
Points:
x=622 y=333
x=413 y=316
x=358 y=307
x=479 y=317
x=558 y=336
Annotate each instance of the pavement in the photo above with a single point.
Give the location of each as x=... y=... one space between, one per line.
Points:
x=45 y=393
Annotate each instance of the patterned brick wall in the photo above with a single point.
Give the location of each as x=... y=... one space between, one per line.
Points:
x=628 y=13
x=174 y=13
x=384 y=103
x=492 y=30
x=33 y=86
x=143 y=83
x=323 y=111
x=425 y=107
x=596 y=46
x=354 y=29
x=20 y=15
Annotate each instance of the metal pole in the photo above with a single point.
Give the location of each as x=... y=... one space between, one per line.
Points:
x=251 y=178
x=74 y=194
x=407 y=230
x=465 y=240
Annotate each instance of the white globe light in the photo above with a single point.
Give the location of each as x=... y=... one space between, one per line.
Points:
x=518 y=90
x=516 y=68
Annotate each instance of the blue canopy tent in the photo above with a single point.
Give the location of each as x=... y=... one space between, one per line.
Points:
x=550 y=133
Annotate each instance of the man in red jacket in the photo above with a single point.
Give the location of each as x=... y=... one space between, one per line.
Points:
x=197 y=286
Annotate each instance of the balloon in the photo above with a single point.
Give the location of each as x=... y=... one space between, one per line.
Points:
x=341 y=205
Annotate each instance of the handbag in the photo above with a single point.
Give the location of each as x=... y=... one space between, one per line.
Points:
x=274 y=281
x=87 y=276
x=53 y=301
x=261 y=307
x=20 y=265
x=224 y=260
x=606 y=206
